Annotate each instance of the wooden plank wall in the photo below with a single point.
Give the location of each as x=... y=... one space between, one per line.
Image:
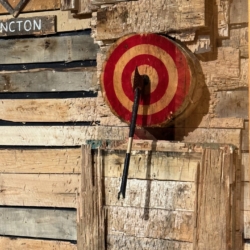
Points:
x=51 y=104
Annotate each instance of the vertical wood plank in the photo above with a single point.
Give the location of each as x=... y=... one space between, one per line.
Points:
x=68 y=4
x=213 y=224
x=90 y=212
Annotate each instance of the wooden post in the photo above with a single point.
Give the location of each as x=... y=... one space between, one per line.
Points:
x=91 y=231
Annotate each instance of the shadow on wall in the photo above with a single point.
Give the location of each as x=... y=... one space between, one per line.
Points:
x=179 y=130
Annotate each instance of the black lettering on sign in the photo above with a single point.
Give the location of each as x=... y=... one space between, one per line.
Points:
x=28 y=26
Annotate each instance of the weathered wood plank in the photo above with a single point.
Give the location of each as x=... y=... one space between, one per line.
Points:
x=28 y=244
x=68 y=4
x=213 y=201
x=237 y=100
x=85 y=7
x=38 y=223
x=123 y=242
x=246 y=224
x=48 y=110
x=49 y=49
x=169 y=195
x=91 y=215
x=125 y=18
x=40 y=25
x=39 y=190
x=47 y=80
x=223 y=17
x=34 y=5
x=239 y=11
x=150 y=223
x=245 y=196
x=58 y=135
x=245 y=170
x=153 y=166
x=65 y=20
x=238 y=39
x=101 y=2
x=212 y=135
x=40 y=161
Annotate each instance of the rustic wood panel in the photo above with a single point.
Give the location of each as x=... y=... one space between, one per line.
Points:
x=40 y=25
x=223 y=17
x=85 y=7
x=38 y=223
x=47 y=80
x=68 y=4
x=246 y=224
x=238 y=39
x=65 y=20
x=152 y=223
x=48 y=110
x=39 y=190
x=123 y=242
x=213 y=202
x=49 y=49
x=129 y=17
x=245 y=137
x=245 y=170
x=40 y=161
x=170 y=195
x=91 y=214
x=58 y=135
x=34 y=5
x=239 y=11
x=153 y=166
x=212 y=135
x=237 y=100
x=245 y=196
x=28 y=244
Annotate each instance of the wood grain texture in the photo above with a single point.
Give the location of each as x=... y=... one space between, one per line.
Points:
x=246 y=224
x=152 y=223
x=34 y=244
x=68 y=4
x=65 y=20
x=91 y=214
x=239 y=11
x=38 y=223
x=40 y=161
x=34 y=5
x=237 y=101
x=245 y=170
x=153 y=166
x=58 y=135
x=56 y=190
x=213 y=204
x=47 y=80
x=49 y=49
x=169 y=195
x=124 y=242
x=125 y=18
x=245 y=196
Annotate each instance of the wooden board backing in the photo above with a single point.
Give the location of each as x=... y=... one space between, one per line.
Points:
x=34 y=244
x=38 y=223
x=39 y=190
x=40 y=161
x=34 y=5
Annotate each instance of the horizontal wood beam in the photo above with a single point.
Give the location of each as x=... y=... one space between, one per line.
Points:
x=48 y=80
x=38 y=223
x=49 y=49
x=40 y=161
x=34 y=244
x=39 y=190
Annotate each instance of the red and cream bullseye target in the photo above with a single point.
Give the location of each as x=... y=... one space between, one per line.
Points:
x=170 y=73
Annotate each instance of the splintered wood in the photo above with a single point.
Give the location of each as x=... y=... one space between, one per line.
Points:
x=91 y=215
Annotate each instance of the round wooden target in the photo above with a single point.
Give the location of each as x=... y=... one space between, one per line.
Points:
x=170 y=71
